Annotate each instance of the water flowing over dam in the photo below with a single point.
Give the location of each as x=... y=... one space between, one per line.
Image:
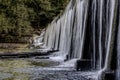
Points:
x=88 y=30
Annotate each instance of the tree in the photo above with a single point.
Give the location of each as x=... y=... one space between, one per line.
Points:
x=20 y=17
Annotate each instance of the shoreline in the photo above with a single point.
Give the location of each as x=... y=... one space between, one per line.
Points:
x=28 y=54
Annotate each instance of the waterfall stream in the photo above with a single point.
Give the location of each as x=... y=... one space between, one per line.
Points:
x=118 y=46
x=85 y=31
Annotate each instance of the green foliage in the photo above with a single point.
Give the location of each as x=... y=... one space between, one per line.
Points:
x=20 y=17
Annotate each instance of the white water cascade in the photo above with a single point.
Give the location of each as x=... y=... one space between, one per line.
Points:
x=68 y=30
x=86 y=30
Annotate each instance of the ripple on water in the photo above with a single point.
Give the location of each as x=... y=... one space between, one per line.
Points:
x=40 y=69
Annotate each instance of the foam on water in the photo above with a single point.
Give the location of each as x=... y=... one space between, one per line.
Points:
x=58 y=56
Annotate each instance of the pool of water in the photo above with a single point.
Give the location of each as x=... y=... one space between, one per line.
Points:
x=22 y=69
x=41 y=69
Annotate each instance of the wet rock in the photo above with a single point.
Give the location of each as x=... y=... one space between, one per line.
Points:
x=83 y=65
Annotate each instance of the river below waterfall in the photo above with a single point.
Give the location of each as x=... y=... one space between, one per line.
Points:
x=41 y=69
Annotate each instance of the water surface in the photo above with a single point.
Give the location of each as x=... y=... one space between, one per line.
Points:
x=22 y=69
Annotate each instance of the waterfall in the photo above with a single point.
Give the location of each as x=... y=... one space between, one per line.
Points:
x=68 y=30
x=118 y=74
x=118 y=46
x=85 y=30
